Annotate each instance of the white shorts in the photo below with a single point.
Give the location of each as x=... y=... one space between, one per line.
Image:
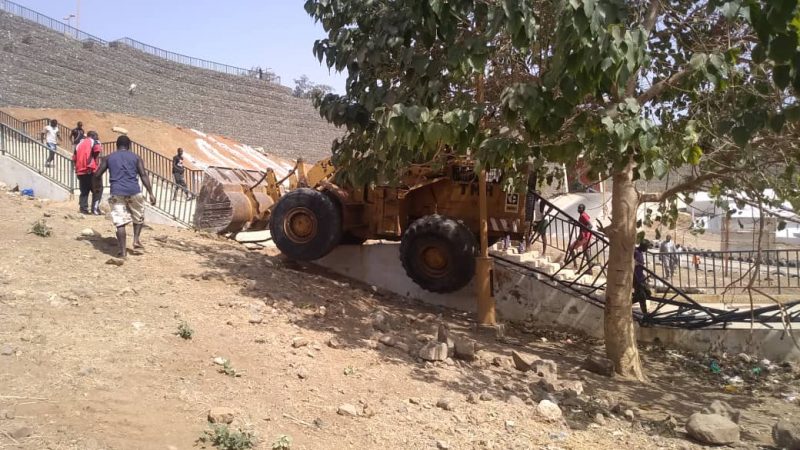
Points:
x=127 y=209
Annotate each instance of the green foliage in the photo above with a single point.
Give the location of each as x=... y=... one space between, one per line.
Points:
x=185 y=331
x=41 y=229
x=224 y=438
x=706 y=87
x=283 y=442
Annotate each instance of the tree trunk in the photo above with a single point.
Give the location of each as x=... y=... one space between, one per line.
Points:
x=620 y=335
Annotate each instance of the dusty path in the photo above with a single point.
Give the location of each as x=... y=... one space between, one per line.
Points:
x=91 y=360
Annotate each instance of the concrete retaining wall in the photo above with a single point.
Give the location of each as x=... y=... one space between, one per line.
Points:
x=13 y=174
x=520 y=296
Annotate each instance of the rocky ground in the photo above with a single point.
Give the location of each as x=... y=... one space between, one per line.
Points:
x=91 y=357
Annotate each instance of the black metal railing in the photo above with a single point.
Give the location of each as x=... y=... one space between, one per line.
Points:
x=664 y=304
x=159 y=164
x=180 y=209
x=33 y=154
x=49 y=22
x=184 y=59
x=716 y=272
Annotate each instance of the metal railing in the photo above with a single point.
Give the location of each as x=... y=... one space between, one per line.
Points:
x=53 y=24
x=184 y=59
x=663 y=304
x=159 y=164
x=31 y=153
x=180 y=210
x=716 y=272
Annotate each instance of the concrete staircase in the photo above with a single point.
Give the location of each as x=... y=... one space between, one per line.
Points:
x=546 y=266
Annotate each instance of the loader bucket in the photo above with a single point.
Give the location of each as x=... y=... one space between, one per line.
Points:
x=232 y=200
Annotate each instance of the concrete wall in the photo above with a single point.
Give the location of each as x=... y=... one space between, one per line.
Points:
x=13 y=174
x=520 y=297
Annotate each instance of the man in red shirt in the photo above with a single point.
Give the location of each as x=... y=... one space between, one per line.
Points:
x=85 y=160
x=584 y=237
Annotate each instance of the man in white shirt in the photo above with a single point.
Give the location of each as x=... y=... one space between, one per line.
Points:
x=668 y=259
x=51 y=137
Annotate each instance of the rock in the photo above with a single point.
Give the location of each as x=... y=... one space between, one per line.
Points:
x=599 y=365
x=433 y=351
x=256 y=319
x=545 y=368
x=523 y=362
x=712 y=429
x=388 y=340
x=723 y=409
x=85 y=371
x=745 y=358
x=471 y=398
x=7 y=350
x=334 y=343
x=319 y=423
x=446 y=404
x=299 y=342
x=786 y=434
x=400 y=345
x=347 y=410
x=302 y=373
x=571 y=388
x=600 y=419
x=88 y=232
x=442 y=445
x=221 y=414
x=514 y=400
x=321 y=312
x=115 y=262
x=21 y=433
x=120 y=130
x=549 y=411
x=380 y=322
x=486 y=397
x=499 y=361
x=220 y=361
x=629 y=415
x=465 y=349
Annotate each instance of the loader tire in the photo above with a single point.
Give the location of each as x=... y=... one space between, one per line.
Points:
x=438 y=253
x=306 y=224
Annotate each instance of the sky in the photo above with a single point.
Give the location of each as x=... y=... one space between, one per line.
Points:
x=269 y=33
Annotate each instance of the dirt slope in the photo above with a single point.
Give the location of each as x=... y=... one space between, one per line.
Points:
x=90 y=359
x=201 y=149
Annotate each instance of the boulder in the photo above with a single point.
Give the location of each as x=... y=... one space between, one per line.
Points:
x=599 y=365
x=723 y=409
x=522 y=361
x=465 y=349
x=545 y=368
x=549 y=411
x=221 y=415
x=712 y=429
x=434 y=351
x=786 y=434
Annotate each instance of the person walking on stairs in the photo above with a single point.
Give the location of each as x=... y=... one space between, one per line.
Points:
x=51 y=137
x=84 y=159
x=127 y=203
x=178 y=174
x=76 y=135
x=583 y=240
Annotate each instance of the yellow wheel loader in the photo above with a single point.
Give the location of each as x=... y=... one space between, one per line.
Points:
x=434 y=213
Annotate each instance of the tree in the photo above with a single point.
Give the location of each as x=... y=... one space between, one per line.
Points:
x=637 y=89
x=305 y=88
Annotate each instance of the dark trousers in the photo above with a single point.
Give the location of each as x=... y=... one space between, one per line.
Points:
x=180 y=185
x=85 y=186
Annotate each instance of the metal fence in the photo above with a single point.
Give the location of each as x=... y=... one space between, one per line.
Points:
x=34 y=155
x=714 y=272
x=187 y=60
x=159 y=164
x=179 y=209
x=53 y=24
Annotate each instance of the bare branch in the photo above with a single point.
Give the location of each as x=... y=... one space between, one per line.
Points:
x=688 y=185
